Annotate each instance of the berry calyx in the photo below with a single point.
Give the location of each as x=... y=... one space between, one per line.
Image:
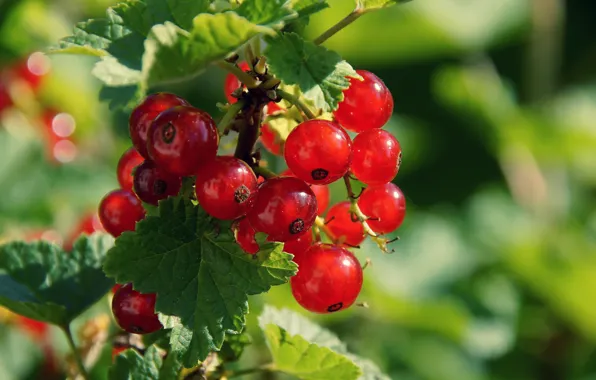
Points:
x=135 y=312
x=329 y=279
x=145 y=113
x=385 y=205
x=181 y=139
x=342 y=226
x=284 y=208
x=318 y=151
x=152 y=184
x=232 y=83
x=129 y=160
x=225 y=187
x=245 y=236
x=119 y=211
x=367 y=104
x=377 y=157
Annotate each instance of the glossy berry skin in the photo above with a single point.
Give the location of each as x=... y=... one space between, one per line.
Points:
x=116 y=287
x=245 y=236
x=300 y=245
x=321 y=192
x=141 y=117
x=225 y=187
x=135 y=312
x=181 y=139
x=129 y=160
x=152 y=184
x=377 y=157
x=269 y=138
x=386 y=205
x=119 y=211
x=284 y=208
x=232 y=83
x=340 y=224
x=318 y=151
x=367 y=104
x=329 y=279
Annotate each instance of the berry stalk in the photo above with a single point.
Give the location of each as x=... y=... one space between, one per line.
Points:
x=353 y=16
x=297 y=102
x=248 y=80
x=227 y=120
x=355 y=210
x=75 y=352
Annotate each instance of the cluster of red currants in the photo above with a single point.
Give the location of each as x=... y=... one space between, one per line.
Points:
x=173 y=140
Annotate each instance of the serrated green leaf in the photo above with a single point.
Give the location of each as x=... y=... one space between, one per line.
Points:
x=321 y=74
x=234 y=346
x=297 y=325
x=304 y=8
x=126 y=97
x=368 y=5
x=130 y=365
x=172 y=53
x=43 y=282
x=115 y=74
x=294 y=355
x=184 y=11
x=266 y=12
x=199 y=274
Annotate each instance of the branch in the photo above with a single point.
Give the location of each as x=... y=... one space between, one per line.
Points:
x=353 y=16
x=243 y=77
x=297 y=102
x=76 y=354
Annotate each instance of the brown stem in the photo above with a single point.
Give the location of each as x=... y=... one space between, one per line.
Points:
x=249 y=135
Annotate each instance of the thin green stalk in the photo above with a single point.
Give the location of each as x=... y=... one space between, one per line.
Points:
x=229 y=117
x=77 y=356
x=248 y=371
x=243 y=77
x=353 y=16
x=256 y=47
x=264 y=172
x=249 y=55
x=297 y=102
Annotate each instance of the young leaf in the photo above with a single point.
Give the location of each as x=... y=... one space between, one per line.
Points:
x=321 y=74
x=184 y=11
x=266 y=12
x=368 y=5
x=296 y=325
x=43 y=282
x=131 y=365
x=294 y=355
x=199 y=274
x=234 y=346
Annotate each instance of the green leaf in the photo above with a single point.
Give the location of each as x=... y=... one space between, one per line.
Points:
x=368 y=5
x=234 y=346
x=172 y=53
x=304 y=8
x=184 y=11
x=321 y=74
x=130 y=365
x=266 y=12
x=199 y=273
x=286 y=333
x=43 y=282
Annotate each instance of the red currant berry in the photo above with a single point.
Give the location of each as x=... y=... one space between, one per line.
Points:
x=5 y=100
x=377 y=156
x=232 y=83
x=245 y=236
x=385 y=205
x=119 y=211
x=126 y=165
x=321 y=192
x=134 y=311
x=225 y=187
x=33 y=70
x=152 y=184
x=340 y=224
x=329 y=279
x=367 y=104
x=300 y=245
x=318 y=151
x=269 y=138
x=142 y=117
x=181 y=139
x=284 y=208
x=115 y=288
x=39 y=331
x=116 y=350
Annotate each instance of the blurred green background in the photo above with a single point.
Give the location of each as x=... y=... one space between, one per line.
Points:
x=495 y=108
